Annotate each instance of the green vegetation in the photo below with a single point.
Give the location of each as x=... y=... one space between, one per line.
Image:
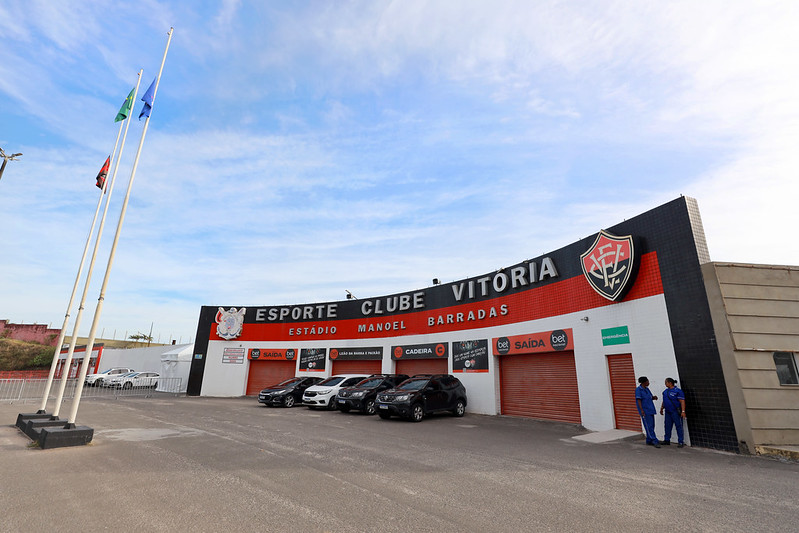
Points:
x=21 y=355
x=140 y=337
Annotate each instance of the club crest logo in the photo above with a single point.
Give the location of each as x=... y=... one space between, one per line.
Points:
x=230 y=322
x=610 y=265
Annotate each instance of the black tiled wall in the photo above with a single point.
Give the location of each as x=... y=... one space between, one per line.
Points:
x=668 y=230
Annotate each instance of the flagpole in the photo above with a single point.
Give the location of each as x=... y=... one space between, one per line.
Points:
x=62 y=334
x=98 y=310
x=73 y=340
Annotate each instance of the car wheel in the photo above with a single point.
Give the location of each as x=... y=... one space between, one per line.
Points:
x=127 y=385
x=332 y=405
x=344 y=408
x=417 y=413
x=369 y=407
x=460 y=409
x=98 y=383
x=288 y=401
x=384 y=416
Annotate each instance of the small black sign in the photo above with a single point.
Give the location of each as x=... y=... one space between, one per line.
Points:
x=363 y=354
x=313 y=359
x=503 y=345
x=420 y=351
x=470 y=356
x=559 y=339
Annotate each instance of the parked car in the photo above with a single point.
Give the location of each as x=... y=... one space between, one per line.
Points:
x=132 y=380
x=362 y=396
x=96 y=380
x=323 y=394
x=286 y=393
x=421 y=395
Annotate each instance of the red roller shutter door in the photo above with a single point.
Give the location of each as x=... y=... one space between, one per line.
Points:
x=622 y=388
x=421 y=366
x=265 y=373
x=540 y=386
x=357 y=367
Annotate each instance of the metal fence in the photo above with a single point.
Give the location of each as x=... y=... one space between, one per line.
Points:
x=31 y=390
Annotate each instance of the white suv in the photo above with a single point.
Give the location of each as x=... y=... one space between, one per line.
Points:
x=133 y=380
x=96 y=380
x=323 y=394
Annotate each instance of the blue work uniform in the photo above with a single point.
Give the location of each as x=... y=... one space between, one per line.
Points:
x=672 y=408
x=648 y=415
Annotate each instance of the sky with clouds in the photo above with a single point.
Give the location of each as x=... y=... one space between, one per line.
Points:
x=300 y=149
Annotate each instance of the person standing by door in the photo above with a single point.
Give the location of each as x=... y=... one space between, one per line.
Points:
x=674 y=406
x=644 y=399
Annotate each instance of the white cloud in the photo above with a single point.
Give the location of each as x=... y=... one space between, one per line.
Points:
x=298 y=151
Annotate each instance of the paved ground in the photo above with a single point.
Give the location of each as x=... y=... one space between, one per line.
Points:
x=204 y=464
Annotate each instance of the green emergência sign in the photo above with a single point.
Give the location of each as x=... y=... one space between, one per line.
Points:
x=619 y=335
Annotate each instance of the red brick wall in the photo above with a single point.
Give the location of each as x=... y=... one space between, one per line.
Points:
x=24 y=374
x=29 y=332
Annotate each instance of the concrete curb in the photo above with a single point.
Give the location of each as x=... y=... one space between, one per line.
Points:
x=788 y=452
x=611 y=435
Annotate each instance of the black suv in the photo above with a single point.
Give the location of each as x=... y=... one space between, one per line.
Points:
x=421 y=395
x=362 y=396
x=286 y=393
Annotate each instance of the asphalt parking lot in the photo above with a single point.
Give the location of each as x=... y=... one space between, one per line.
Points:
x=209 y=464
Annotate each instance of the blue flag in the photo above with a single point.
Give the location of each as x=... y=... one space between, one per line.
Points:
x=148 y=101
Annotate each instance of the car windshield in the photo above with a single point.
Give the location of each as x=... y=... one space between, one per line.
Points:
x=330 y=382
x=286 y=383
x=413 y=384
x=369 y=383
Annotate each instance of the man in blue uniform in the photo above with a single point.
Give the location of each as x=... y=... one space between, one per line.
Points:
x=674 y=405
x=646 y=408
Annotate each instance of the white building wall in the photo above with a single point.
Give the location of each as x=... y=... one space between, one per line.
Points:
x=226 y=379
x=650 y=346
x=139 y=359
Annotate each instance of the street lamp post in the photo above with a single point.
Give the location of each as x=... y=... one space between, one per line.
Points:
x=6 y=159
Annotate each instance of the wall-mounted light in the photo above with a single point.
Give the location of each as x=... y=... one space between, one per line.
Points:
x=436 y=281
x=584 y=319
x=350 y=296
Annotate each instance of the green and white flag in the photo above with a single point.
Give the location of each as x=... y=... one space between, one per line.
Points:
x=124 y=111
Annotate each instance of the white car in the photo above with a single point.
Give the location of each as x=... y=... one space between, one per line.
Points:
x=96 y=380
x=323 y=394
x=138 y=380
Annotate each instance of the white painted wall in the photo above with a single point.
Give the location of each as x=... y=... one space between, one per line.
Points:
x=139 y=359
x=225 y=379
x=650 y=344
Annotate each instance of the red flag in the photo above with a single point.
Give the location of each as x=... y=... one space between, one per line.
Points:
x=103 y=173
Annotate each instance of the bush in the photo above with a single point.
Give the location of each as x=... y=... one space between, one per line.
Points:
x=21 y=355
x=44 y=359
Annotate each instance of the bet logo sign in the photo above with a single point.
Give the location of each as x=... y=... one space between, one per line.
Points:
x=559 y=339
x=503 y=345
